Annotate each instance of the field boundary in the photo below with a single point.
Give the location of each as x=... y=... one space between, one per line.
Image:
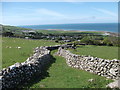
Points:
x=36 y=65
x=102 y=67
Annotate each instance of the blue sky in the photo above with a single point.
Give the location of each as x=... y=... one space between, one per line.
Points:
x=37 y=13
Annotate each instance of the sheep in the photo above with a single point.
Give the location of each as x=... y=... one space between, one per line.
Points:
x=18 y=47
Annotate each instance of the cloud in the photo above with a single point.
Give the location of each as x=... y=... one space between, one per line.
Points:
x=49 y=12
x=106 y=12
x=33 y=16
x=40 y=12
x=49 y=16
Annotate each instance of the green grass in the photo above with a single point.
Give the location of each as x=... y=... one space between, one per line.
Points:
x=105 y=52
x=60 y=74
x=13 y=55
x=63 y=76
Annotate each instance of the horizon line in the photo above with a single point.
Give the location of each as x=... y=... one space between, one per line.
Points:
x=58 y=24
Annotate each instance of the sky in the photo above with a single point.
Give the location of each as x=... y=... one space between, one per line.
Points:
x=40 y=13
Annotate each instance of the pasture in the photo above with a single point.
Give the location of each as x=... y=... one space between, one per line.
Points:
x=63 y=76
x=105 y=52
x=59 y=74
x=18 y=50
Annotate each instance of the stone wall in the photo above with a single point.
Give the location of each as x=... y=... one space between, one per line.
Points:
x=19 y=73
x=36 y=66
x=102 y=67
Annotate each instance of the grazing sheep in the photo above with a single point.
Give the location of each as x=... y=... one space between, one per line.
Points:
x=90 y=80
x=18 y=47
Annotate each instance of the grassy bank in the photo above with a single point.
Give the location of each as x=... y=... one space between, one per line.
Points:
x=11 y=54
x=105 y=52
x=63 y=76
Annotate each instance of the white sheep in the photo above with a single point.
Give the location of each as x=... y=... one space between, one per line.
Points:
x=18 y=47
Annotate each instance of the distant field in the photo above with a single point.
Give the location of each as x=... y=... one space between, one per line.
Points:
x=105 y=52
x=63 y=76
x=11 y=54
x=72 y=31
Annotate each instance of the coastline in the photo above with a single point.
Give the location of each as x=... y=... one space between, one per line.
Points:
x=75 y=30
x=104 y=32
x=80 y=30
x=99 y=27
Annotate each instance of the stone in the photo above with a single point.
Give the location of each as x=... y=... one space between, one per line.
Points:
x=1 y=78
x=22 y=72
x=18 y=64
x=112 y=71
x=99 y=66
x=11 y=67
x=0 y=73
x=114 y=84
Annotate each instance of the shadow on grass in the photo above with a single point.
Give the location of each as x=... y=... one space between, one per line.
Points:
x=38 y=77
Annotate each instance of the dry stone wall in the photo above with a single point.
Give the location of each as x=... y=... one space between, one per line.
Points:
x=36 y=65
x=19 y=73
x=102 y=67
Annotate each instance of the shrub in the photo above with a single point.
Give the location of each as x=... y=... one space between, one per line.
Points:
x=87 y=40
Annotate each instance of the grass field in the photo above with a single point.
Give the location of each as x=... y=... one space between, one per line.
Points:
x=60 y=31
x=63 y=76
x=60 y=75
x=105 y=52
x=11 y=54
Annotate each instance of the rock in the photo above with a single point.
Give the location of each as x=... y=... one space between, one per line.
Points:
x=113 y=84
x=11 y=67
x=23 y=72
x=112 y=71
x=18 y=64
x=0 y=73
x=95 y=65
x=1 y=78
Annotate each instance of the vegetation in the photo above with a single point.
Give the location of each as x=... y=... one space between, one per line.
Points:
x=63 y=76
x=101 y=40
x=112 y=41
x=66 y=32
x=87 y=37
x=11 y=54
x=60 y=75
x=105 y=52
x=13 y=28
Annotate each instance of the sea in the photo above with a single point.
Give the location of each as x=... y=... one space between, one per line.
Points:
x=109 y=27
